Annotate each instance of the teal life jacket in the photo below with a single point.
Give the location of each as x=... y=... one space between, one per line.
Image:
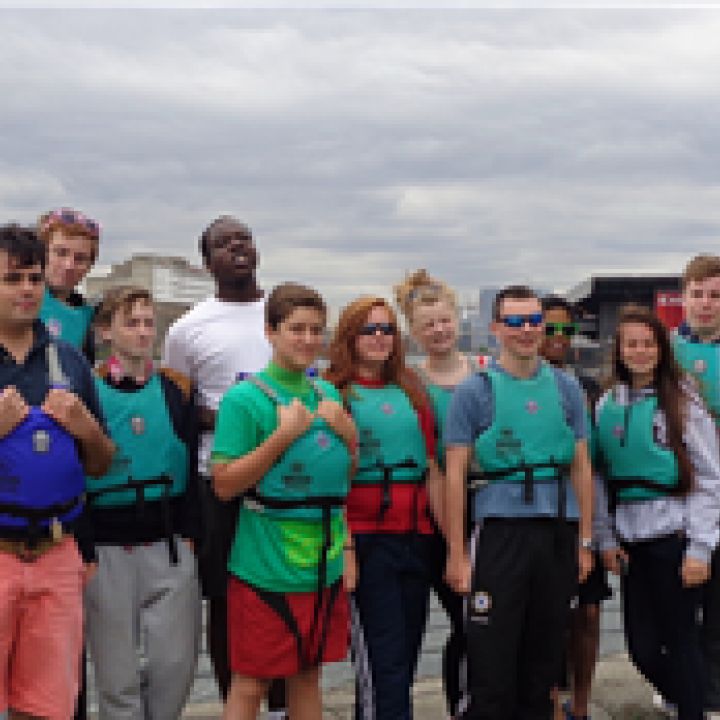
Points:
x=529 y=440
x=42 y=481
x=151 y=462
x=65 y=322
x=391 y=444
x=701 y=361
x=311 y=479
x=636 y=467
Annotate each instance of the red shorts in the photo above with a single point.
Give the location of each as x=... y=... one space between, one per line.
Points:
x=261 y=645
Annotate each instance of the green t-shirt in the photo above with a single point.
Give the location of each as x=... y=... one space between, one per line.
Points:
x=271 y=553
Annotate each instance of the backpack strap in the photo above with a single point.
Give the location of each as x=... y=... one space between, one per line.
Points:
x=56 y=376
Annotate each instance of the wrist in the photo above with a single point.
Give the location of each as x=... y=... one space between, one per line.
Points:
x=586 y=543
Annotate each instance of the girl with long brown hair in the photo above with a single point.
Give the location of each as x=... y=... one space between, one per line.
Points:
x=658 y=508
x=387 y=509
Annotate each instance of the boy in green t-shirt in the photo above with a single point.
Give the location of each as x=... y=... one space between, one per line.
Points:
x=285 y=443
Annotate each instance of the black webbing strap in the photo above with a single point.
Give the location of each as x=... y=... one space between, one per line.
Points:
x=617 y=484
x=387 y=479
x=138 y=486
x=36 y=516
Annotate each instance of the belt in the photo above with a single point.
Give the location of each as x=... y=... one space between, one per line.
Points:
x=24 y=552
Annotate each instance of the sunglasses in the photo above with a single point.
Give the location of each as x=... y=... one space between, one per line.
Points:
x=517 y=321
x=555 y=328
x=373 y=328
x=70 y=218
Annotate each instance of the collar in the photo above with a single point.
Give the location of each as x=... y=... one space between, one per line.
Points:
x=41 y=337
x=294 y=381
x=114 y=374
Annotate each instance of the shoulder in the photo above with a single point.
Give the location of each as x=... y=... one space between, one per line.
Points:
x=72 y=360
x=195 y=315
x=476 y=384
x=568 y=385
x=176 y=382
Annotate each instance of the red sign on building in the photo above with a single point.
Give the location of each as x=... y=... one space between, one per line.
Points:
x=668 y=307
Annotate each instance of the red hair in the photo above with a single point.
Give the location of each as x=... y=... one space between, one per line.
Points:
x=344 y=361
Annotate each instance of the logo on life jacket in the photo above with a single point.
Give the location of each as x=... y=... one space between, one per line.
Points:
x=41 y=441
x=507 y=443
x=387 y=408
x=532 y=407
x=368 y=443
x=297 y=477
x=137 y=425
x=322 y=439
x=54 y=327
x=618 y=431
x=700 y=366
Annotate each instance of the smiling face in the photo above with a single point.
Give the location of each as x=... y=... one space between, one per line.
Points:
x=21 y=291
x=522 y=342
x=639 y=349
x=376 y=338
x=231 y=253
x=435 y=327
x=556 y=348
x=298 y=339
x=69 y=259
x=701 y=303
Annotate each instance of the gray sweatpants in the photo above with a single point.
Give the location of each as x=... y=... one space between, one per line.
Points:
x=142 y=618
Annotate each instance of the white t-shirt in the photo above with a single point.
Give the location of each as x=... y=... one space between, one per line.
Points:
x=213 y=344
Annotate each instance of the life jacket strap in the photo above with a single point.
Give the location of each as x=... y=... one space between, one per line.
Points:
x=36 y=516
x=616 y=485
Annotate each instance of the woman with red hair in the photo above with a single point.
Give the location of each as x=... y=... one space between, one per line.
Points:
x=391 y=533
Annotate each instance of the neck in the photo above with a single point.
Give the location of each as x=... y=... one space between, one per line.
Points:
x=642 y=380
x=245 y=291
x=706 y=335
x=520 y=367
x=444 y=362
x=17 y=339
x=370 y=371
x=283 y=364
x=134 y=367
x=60 y=293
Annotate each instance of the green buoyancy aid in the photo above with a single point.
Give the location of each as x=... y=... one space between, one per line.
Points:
x=529 y=440
x=311 y=478
x=65 y=322
x=636 y=466
x=391 y=443
x=150 y=461
x=702 y=361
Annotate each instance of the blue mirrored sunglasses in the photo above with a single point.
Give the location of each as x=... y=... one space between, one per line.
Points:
x=518 y=321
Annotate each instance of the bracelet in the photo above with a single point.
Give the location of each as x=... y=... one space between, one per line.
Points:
x=586 y=543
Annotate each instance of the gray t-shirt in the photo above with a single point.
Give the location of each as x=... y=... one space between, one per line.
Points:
x=471 y=414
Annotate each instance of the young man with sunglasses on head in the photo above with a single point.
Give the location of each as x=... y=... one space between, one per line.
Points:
x=523 y=424
x=697 y=349
x=71 y=240
x=51 y=438
x=560 y=328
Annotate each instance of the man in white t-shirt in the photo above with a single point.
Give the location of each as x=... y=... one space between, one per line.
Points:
x=216 y=343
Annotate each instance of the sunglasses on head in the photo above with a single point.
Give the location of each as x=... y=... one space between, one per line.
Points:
x=373 y=328
x=517 y=321
x=70 y=218
x=555 y=328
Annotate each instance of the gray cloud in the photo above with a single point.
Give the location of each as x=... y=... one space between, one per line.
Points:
x=488 y=146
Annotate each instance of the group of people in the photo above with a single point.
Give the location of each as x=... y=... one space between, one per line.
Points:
x=317 y=512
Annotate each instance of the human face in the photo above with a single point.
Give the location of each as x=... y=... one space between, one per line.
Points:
x=232 y=256
x=435 y=328
x=298 y=339
x=701 y=302
x=555 y=348
x=21 y=292
x=523 y=342
x=639 y=350
x=69 y=259
x=132 y=331
x=374 y=350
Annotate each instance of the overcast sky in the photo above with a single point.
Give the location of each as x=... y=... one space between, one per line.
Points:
x=489 y=146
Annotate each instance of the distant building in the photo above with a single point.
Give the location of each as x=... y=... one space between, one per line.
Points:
x=175 y=284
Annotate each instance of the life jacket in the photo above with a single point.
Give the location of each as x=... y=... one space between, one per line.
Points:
x=150 y=463
x=66 y=322
x=42 y=481
x=636 y=466
x=310 y=481
x=529 y=440
x=702 y=361
x=391 y=444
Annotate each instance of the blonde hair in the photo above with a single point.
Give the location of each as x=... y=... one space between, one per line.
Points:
x=420 y=288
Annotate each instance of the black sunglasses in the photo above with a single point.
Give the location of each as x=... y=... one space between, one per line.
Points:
x=372 y=329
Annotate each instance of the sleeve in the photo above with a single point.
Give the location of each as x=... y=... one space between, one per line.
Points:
x=236 y=430
x=175 y=352
x=464 y=423
x=702 y=505
x=575 y=406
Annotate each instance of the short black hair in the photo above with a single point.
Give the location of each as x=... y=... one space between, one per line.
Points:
x=205 y=236
x=555 y=302
x=512 y=292
x=23 y=245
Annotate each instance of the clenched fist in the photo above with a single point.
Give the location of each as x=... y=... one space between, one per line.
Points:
x=13 y=410
x=68 y=411
x=294 y=419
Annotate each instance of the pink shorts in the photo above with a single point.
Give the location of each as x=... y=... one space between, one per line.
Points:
x=41 y=628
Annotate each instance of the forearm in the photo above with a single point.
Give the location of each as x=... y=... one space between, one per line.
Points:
x=456 y=461
x=581 y=477
x=235 y=477
x=437 y=496
x=96 y=451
